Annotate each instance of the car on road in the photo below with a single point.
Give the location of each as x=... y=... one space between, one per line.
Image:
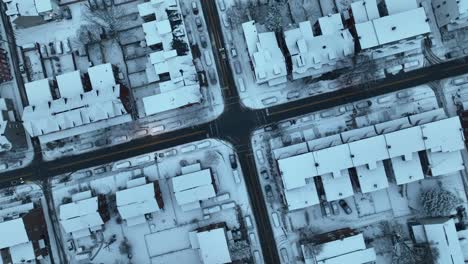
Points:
x=233 y=161
x=66 y=12
x=222 y=52
x=284 y=255
x=269 y=192
x=195 y=7
x=335 y=208
x=199 y=24
x=212 y=75
x=265 y=174
x=203 y=41
x=345 y=206
x=237 y=67
x=326 y=210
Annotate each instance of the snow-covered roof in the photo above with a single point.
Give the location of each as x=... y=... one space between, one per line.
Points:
x=101 y=76
x=441 y=163
x=392 y=28
x=70 y=84
x=80 y=215
x=351 y=249
x=157 y=31
x=170 y=100
x=294 y=170
x=81 y=110
x=407 y=168
x=315 y=55
x=136 y=201
x=404 y=142
x=43 y=6
x=445 y=135
x=5 y=144
x=398 y=6
x=265 y=54
x=38 y=91
x=368 y=151
x=331 y=24
x=326 y=160
x=371 y=180
x=442 y=236
x=12 y=233
x=337 y=187
x=302 y=197
x=22 y=253
x=193 y=187
x=364 y=10
x=213 y=246
x=448 y=11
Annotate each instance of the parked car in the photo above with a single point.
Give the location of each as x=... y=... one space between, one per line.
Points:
x=66 y=12
x=335 y=208
x=212 y=76
x=207 y=57
x=345 y=206
x=222 y=5
x=265 y=174
x=237 y=67
x=240 y=82
x=233 y=52
x=199 y=24
x=269 y=192
x=233 y=161
x=195 y=7
x=226 y=21
x=203 y=41
x=326 y=208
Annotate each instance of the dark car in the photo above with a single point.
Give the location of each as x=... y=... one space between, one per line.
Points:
x=199 y=24
x=233 y=160
x=345 y=206
x=265 y=174
x=67 y=13
x=269 y=192
x=203 y=41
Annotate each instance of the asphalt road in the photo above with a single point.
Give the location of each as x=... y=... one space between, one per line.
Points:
x=235 y=125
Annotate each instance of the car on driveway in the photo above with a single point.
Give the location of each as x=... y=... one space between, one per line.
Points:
x=195 y=7
x=345 y=206
x=335 y=208
x=199 y=24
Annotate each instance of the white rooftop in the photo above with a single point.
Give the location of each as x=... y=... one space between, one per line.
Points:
x=371 y=180
x=173 y=99
x=70 y=84
x=22 y=253
x=327 y=160
x=404 y=142
x=136 y=201
x=445 y=135
x=101 y=76
x=398 y=6
x=368 y=151
x=193 y=187
x=302 y=197
x=38 y=92
x=407 y=168
x=213 y=246
x=43 y=5
x=364 y=10
x=13 y=233
x=337 y=187
x=331 y=24
x=157 y=31
x=265 y=54
x=80 y=215
x=294 y=170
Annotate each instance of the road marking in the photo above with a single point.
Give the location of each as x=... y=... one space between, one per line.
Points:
x=127 y=150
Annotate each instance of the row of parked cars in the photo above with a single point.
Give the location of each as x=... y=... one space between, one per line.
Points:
x=333 y=207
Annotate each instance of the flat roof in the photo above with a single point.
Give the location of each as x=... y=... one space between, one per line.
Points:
x=70 y=84
x=407 y=170
x=294 y=170
x=80 y=215
x=398 y=6
x=302 y=197
x=404 y=142
x=13 y=233
x=443 y=135
x=193 y=187
x=43 y=5
x=330 y=24
x=442 y=163
x=101 y=76
x=364 y=10
x=136 y=201
x=213 y=246
x=327 y=160
x=372 y=180
x=22 y=252
x=38 y=91
x=363 y=256
x=443 y=236
x=368 y=151
x=341 y=247
x=395 y=27
x=155 y=31
x=366 y=35
x=338 y=187
x=183 y=96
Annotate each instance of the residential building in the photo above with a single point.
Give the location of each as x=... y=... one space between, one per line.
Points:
x=388 y=35
x=441 y=236
x=361 y=154
x=84 y=215
x=312 y=56
x=76 y=108
x=451 y=13
x=12 y=134
x=138 y=200
x=265 y=55
x=170 y=65
x=193 y=186
x=24 y=237
x=337 y=247
x=208 y=238
x=29 y=13
x=5 y=69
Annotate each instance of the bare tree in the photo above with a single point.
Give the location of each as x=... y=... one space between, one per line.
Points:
x=438 y=202
x=109 y=18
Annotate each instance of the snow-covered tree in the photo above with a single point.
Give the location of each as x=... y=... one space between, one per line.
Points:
x=438 y=202
x=237 y=14
x=109 y=18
